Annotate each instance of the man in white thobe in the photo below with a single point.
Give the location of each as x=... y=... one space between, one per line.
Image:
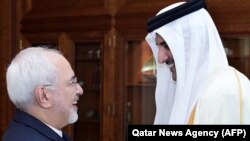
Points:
x=195 y=84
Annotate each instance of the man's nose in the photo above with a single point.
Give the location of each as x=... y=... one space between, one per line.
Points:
x=79 y=89
x=162 y=56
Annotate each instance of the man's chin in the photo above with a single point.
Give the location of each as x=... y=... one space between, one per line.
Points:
x=73 y=116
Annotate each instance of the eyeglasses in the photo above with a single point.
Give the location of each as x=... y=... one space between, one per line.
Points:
x=47 y=85
x=73 y=82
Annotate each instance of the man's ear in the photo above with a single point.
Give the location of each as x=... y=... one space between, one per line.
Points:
x=43 y=97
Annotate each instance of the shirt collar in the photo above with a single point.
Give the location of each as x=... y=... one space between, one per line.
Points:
x=59 y=132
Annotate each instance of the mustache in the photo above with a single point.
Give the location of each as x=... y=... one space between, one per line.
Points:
x=76 y=98
x=170 y=63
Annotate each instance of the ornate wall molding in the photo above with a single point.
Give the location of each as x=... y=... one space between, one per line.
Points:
x=66 y=8
x=66 y=16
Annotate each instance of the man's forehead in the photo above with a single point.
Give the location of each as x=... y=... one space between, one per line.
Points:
x=159 y=39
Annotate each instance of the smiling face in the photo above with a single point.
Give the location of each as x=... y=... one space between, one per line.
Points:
x=165 y=55
x=67 y=92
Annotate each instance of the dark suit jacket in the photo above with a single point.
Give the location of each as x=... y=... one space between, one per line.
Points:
x=25 y=127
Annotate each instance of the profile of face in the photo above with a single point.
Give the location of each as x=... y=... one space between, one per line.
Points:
x=67 y=92
x=165 y=55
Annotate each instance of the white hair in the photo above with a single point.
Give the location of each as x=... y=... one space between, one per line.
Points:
x=29 y=69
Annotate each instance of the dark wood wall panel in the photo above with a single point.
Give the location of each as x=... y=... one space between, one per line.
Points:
x=230 y=16
x=7 y=40
x=43 y=21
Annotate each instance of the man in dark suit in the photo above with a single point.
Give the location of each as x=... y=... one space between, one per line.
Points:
x=44 y=89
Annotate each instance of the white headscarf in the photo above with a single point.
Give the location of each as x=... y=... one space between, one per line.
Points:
x=198 y=54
